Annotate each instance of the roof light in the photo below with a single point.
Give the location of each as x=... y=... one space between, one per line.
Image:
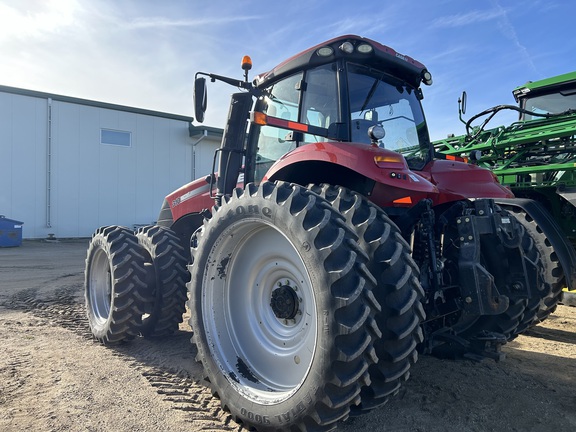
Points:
x=427 y=77
x=347 y=47
x=365 y=48
x=325 y=51
x=376 y=132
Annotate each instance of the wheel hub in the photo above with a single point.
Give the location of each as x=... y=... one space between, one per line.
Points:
x=284 y=302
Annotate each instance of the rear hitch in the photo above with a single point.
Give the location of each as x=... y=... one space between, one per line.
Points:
x=489 y=280
x=479 y=293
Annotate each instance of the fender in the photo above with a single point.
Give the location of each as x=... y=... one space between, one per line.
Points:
x=563 y=248
x=460 y=180
x=193 y=197
x=384 y=174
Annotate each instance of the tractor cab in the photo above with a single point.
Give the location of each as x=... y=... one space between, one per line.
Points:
x=555 y=95
x=369 y=106
x=347 y=93
x=349 y=89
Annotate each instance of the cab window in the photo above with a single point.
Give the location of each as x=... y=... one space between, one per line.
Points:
x=310 y=98
x=379 y=99
x=281 y=100
x=320 y=106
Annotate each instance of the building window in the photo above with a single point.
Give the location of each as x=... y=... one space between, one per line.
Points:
x=115 y=137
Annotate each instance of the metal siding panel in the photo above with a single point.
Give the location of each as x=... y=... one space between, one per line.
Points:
x=162 y=159
x=40 y=170
x=205 y=155
x=180 y=155
x=108 y=179
x=6 y=155
x=109 y=172
x=67 y=177
x=22 y=147
x=146 y=205
x=127 y=168
x=90 y=169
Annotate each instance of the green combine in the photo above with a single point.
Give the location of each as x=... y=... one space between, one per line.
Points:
x=535 y=157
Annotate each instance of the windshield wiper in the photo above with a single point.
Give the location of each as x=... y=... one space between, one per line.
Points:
x=370 y=94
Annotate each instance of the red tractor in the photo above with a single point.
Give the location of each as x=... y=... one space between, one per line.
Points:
x=332 y=246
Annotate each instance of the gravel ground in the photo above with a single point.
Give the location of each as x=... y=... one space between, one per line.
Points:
x=55 y=377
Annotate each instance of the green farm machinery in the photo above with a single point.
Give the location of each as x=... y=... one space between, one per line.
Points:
x=535 y=157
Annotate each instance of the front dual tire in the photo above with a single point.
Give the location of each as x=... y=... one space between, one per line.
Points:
x=135 y=284
x=115 y=280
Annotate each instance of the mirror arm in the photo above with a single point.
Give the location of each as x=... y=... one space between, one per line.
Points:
x=232 y=81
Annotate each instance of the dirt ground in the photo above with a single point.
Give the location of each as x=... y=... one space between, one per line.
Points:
x=55 y=377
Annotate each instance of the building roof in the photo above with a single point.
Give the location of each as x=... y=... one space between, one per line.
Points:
x=56 y=97
x=205 y=130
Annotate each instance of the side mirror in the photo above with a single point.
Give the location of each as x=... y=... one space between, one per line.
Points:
x=200 y=99
x=462 y=102
x=462 y=106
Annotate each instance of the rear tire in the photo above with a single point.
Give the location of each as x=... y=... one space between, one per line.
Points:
x=282 y=309
x=398 y=292
x=165 y=258
x=115 y=279
x=553 y=273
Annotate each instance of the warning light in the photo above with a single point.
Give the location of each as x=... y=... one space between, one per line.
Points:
x=246 y=63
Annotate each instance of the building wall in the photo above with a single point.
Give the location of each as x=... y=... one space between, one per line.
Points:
x=23 y=129
x=58 y=178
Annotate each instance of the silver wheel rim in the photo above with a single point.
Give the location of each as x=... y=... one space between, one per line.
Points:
x=264 y=356
x=100 y=287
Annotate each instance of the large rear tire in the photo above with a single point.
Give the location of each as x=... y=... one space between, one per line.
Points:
x=115 y=279
x=282 y=309
x=398 y=292
x=166 y=259
x=553 y=273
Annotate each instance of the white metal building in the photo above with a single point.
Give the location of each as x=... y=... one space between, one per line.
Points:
x=69 y=165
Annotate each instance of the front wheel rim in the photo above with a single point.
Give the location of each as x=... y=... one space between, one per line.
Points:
x=259 y=311
x=100 y=287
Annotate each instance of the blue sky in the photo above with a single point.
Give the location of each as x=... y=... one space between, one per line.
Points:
x=145 y=53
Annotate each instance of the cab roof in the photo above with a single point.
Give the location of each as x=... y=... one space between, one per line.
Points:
x=381 y=56
x=545 y=85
